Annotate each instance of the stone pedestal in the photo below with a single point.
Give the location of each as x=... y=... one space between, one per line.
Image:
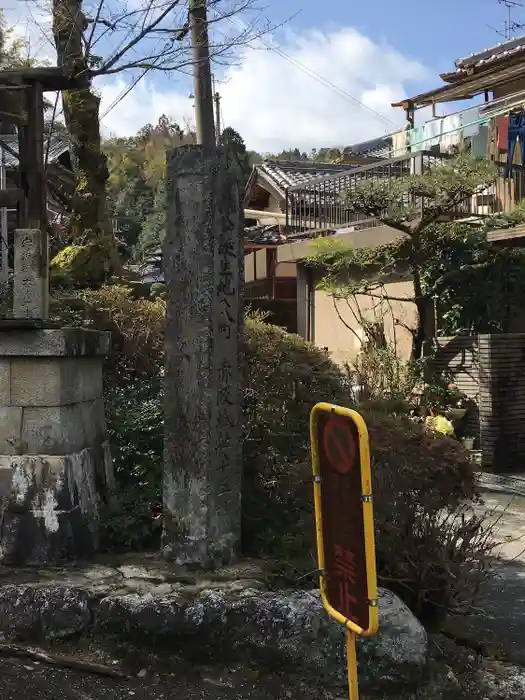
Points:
x=55 y=461
x=203 y=267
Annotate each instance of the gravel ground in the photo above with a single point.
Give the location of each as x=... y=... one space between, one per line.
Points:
x=34 y=681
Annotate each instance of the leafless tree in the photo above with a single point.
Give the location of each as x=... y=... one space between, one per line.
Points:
x=105 y=37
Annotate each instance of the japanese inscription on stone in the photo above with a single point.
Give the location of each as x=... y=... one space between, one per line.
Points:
x=226 y=337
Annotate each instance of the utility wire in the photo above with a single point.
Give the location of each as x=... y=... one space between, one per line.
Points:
x=125 y=92
x=318 y=77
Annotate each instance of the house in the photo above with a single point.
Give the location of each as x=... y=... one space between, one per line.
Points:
x=150 y=270
x=270 y=285
x=334 y=324
x=267 y=216
x=265 y=197
x=491 y=86
x=294 y=202
x=495 y=78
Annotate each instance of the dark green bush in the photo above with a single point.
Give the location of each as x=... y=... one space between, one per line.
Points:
x=134 y=407
x=429 y=550
x=283 y=378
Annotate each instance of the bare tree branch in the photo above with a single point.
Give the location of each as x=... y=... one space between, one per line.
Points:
x=105 y=68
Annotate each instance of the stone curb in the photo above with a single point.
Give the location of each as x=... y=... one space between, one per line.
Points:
x=286 y=628
x=512 y=485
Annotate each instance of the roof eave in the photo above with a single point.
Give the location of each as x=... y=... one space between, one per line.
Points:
x=259 y=178
x=252 y=180
x=473 y=80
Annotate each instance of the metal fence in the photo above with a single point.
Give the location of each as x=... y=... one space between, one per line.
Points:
x=320 y=203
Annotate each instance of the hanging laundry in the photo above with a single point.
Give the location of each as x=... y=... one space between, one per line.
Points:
x=480 y=142
x=502 y=125
x=400 y=143
x=516 y=130
x=415 y=138
x=468 y=122
x=432 y=133
x=492 y=148
x=451 y=133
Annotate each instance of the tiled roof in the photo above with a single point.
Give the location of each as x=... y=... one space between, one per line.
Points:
x=487 y=56
x=59 y=145
x=285 y=174
x=375 y=148
x=261 y=235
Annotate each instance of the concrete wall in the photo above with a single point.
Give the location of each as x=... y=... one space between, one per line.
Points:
x=283 y=269
x=273 y=204
x=256 y=267
x=249 y=267
x=364 y=238
x=336 y=323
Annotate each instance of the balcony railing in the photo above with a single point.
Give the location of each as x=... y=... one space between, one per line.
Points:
x=319 y=204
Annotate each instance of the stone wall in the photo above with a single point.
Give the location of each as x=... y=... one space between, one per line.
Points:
x=55 y=461
x=490 y=369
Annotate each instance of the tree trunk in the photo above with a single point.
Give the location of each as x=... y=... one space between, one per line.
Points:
x=90 y=223
x=422 y=303
x=419 y=337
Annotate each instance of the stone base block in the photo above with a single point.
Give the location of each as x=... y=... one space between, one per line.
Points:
x=50 y=505
x=54 y=342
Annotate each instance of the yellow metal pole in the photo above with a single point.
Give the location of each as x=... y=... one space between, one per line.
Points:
x=351 y=660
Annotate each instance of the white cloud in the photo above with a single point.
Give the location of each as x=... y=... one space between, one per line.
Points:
x=30 y=20
x=271 y=102
x=143 y=105
x=276 y=105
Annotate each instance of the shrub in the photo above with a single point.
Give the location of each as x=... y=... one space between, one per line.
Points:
x=84 y=264
x=283 y=378
x=133 y=397
x=430 y=550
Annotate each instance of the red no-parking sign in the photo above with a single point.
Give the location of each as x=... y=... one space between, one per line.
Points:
x=345 y=523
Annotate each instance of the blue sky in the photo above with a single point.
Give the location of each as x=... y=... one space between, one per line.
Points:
x=433 y=32
x=374 y=51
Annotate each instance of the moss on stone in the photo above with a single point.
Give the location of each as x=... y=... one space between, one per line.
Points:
x=83 y=265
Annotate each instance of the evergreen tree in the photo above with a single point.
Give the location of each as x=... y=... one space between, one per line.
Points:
x=232 y=141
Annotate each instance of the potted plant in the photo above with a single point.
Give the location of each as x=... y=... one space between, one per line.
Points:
x=456 y=403
x=468 y=443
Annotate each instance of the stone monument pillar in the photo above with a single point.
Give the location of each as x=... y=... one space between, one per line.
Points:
x=31 y=281
x=55 y=461
x=204 y=270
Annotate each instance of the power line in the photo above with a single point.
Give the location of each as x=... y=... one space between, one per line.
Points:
x=333 y=86
x=125 y=92
x=305 y=69
x=320 y=78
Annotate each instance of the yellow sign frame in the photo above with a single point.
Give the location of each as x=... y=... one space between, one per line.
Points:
x=369 y=539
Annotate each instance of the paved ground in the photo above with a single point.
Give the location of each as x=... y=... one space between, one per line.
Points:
x=501 y=624
x=506 y=512
x=505 y=483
